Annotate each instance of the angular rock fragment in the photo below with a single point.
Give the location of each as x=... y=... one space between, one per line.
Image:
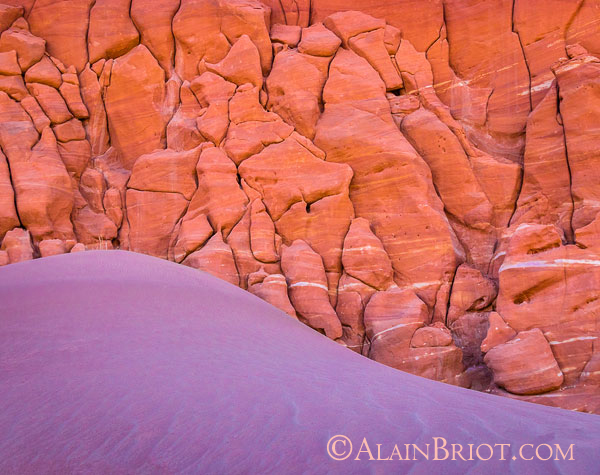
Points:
x=17 y=245
x=133 y=104
x=216 y=259
x=364 y=257
x=166 y=171
x=111 y=32
x=525 y=364
x=152 y=217
x=273 y=289
x=307 y=286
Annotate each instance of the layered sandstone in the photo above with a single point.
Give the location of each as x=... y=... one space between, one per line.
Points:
x=418 y=182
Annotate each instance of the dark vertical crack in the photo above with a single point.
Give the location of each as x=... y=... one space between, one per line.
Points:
x=12 y=184
x=439 y=37
x=168 y=75
x=487 y=104
x=298 y=11
x=321 y=101
x=521 y=180
x=283 y=12
x=133 y=22
x=450 y=295
x=125 y=217
x=571 y=237
x=139 y=32
x=522 y=51
x=103 y=92
x=521 y=177
x=173 y=36
x=26 y=14
x=87 y=31
x=571 y=20
x=447 y=34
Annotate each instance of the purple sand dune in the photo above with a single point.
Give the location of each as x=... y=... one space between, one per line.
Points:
x=113 y=362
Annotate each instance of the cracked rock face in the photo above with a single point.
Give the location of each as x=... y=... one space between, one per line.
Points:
x=420 y=184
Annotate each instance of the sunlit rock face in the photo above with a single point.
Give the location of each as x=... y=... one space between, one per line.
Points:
x=419 y=183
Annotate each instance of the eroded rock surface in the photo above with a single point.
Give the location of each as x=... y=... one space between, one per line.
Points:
x=419 y=183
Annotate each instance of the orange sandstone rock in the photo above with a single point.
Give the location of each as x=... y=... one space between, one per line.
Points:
x=262 y=233
x=96 y=126
x=43 y=190
x=498 y=333
x=92 y=187
x=72 y=96
x=318 y=41
x=8 y=212
x=8 y=14
x=215 y=258
x=471 y=291
x=204 y=30
x=307 y=284
x=295 y=86
x=64 y=25
x=51 y=102
x=9 y=66
x=133 y=105
x=69 y=131
x=113 y=206
x=111 y=32
x=451 y=169
x=153 y=20
x=17 y=244
x=241 y=65
x=219 y=195
x=286 y=34
x=435 y=335
x=370 y=45
x=525 y=364
x=391 y=320
x=166 y=171
x=380 y=158
x=30 y=49
x=52 y=247
x=13 y=86
x=273 y=289
x=44 y=72
x=192 y=233
x=578 y=85
x=182 y=132
x=152 y=217
x=364 y=257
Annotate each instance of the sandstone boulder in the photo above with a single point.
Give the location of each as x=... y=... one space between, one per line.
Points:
x=307 y=286
x=525 y=364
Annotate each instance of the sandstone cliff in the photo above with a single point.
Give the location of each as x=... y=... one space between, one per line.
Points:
x=418 y=181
